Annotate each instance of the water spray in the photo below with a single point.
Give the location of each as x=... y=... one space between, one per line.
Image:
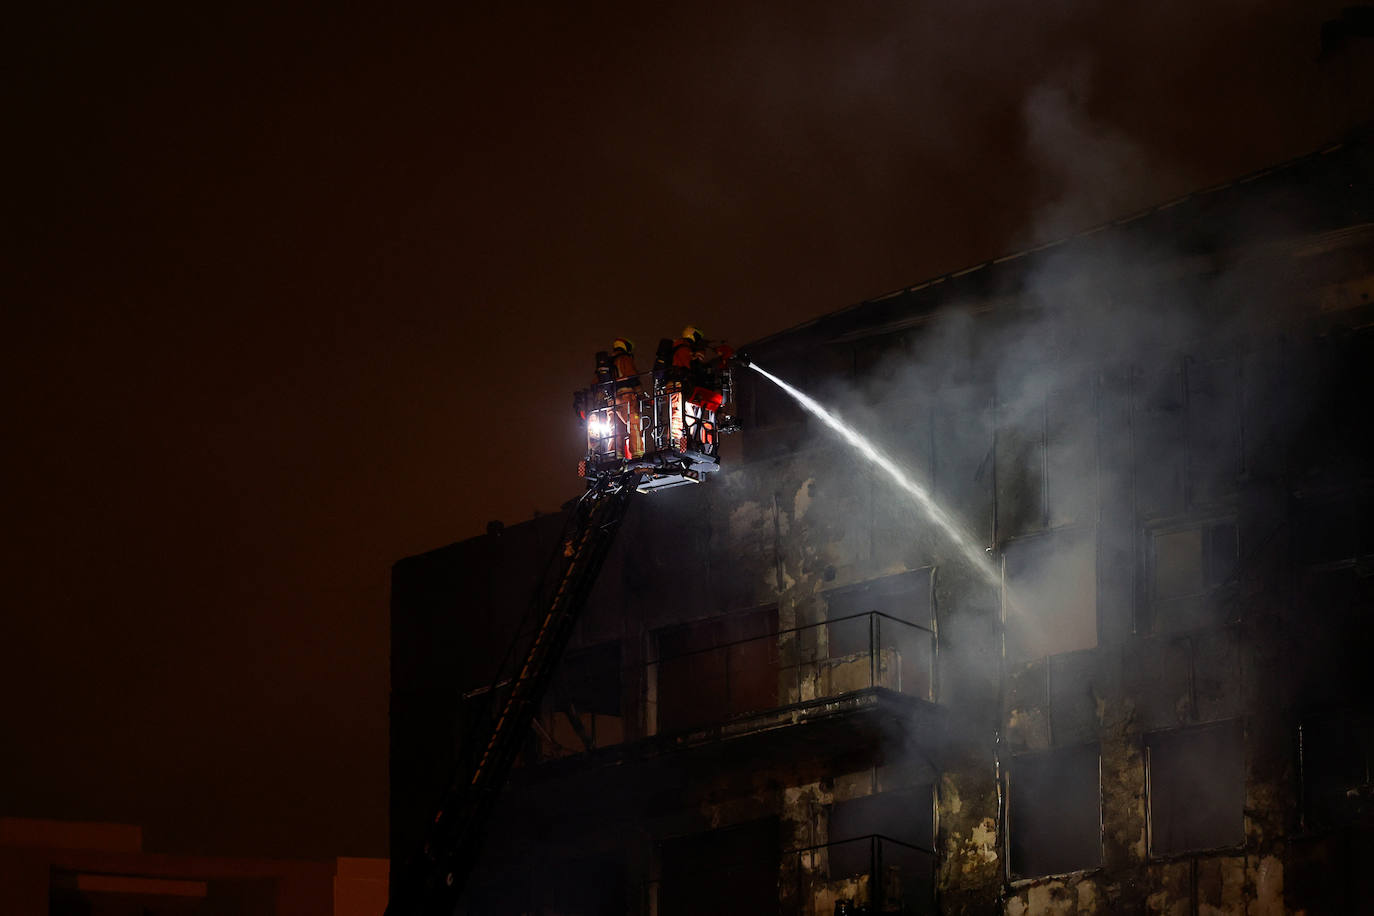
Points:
x=919 y=494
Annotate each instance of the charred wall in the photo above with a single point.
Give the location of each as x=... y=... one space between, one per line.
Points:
x=1158 y=432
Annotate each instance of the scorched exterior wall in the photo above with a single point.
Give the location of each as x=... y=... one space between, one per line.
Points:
x=1144 y=475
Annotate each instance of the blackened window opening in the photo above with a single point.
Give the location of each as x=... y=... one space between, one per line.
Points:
x=1189 y=565
x=1054 y=811
x=1196 y=789
x=1337 y=769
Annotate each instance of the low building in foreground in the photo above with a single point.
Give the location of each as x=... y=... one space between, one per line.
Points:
x=71 y=868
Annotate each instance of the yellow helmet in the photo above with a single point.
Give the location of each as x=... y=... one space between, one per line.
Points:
x=691 y=333
x=623 y=343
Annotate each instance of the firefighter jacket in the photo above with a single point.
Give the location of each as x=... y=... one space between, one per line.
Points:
x=626 y=372
x=683 y=355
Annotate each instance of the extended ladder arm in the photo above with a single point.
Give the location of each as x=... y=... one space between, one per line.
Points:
x=456 y=833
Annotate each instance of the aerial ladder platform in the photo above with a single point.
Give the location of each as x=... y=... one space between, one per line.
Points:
x=665 y=437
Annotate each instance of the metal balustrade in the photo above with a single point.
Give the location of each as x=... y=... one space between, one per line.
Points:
x=725 y=681
x=812 y=662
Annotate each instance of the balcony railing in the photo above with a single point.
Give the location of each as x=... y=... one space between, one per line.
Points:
x=817 y=661
x=725 y=681
x=864 y=876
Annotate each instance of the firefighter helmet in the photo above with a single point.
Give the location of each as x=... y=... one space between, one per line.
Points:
x=691 y=333
x=623 y=343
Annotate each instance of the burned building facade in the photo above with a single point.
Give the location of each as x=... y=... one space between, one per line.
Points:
x=792 y=693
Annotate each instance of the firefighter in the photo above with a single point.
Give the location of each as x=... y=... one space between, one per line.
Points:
x=627 y=387
x=689 y=349
x=693 y=361
x=603 y=383
x=684 y=360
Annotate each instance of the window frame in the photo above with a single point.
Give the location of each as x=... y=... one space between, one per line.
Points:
x=1151 y=855
x=1010 y=875
x=1209 y=596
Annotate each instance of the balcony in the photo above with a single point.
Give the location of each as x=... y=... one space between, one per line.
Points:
x=871 y=665
x=866 y=875
x=695 y=687
x=848 y=686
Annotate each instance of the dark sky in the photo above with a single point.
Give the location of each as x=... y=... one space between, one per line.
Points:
x=291 y=296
